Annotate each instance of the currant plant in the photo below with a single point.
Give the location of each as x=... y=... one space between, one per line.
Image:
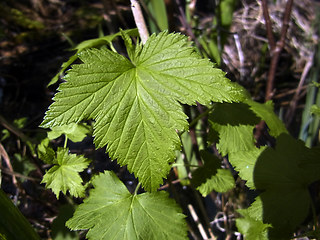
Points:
x=135 y=102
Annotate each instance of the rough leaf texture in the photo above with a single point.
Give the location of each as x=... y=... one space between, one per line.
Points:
x=112 y=212
x=136 y=103
x=64 y=175
x=211 y=176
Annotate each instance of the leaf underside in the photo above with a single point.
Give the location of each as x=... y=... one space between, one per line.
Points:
x=136 y=103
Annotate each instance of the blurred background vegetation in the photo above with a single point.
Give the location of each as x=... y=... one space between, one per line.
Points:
x=38 y=36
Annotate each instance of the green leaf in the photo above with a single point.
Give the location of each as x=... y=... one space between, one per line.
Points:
x=64 y=67
x=20 y=122
x=22 y=164
x=111 y=212
x=76 y=132
x=97 y=42
x=251 y=225
x=211 y=176
x=4 y=135
x=91 y=43
x=64 y=175
x=244 y=162
x=46 y=153
x=315 y=110
x=284 y=173
x=159 y=12
x=266 y=113
x=234 y=138
x=222 y=181
x=235 y=123
x=58 y=229
x=185 y=157
x=13 y=225
x=133 y=103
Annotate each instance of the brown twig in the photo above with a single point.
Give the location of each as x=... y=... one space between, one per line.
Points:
x=276 y=48
x=187 y=27
x=4 y=154
x=8 y=172
x=14 y=130
x=119 y=14
x=271 y=41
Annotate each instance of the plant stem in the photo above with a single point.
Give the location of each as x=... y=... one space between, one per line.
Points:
x=180 y=164
x=65 y=141
x=137 y=188
x=275 y=47
x=139 y=20
x=205 y=113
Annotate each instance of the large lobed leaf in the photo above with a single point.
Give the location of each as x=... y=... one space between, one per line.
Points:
x=112 y=212
x=136 y=103
x=284 y=174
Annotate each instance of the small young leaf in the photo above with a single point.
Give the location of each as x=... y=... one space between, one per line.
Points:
x=315 y=110
x=46 y=153
x=22 y=164
x=134 y=102
x=76 y=132
x=111 y=212
x=20 y=122
x=64 y=175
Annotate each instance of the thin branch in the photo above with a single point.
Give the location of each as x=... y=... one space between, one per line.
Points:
x=119 y=14
x=266 y=16
x=197 y=221
x=8 y=172
x=4 y=154
x=285 y=24
x=16 y=131
x=277 y=48
x=188 y=28
x=139 y=20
